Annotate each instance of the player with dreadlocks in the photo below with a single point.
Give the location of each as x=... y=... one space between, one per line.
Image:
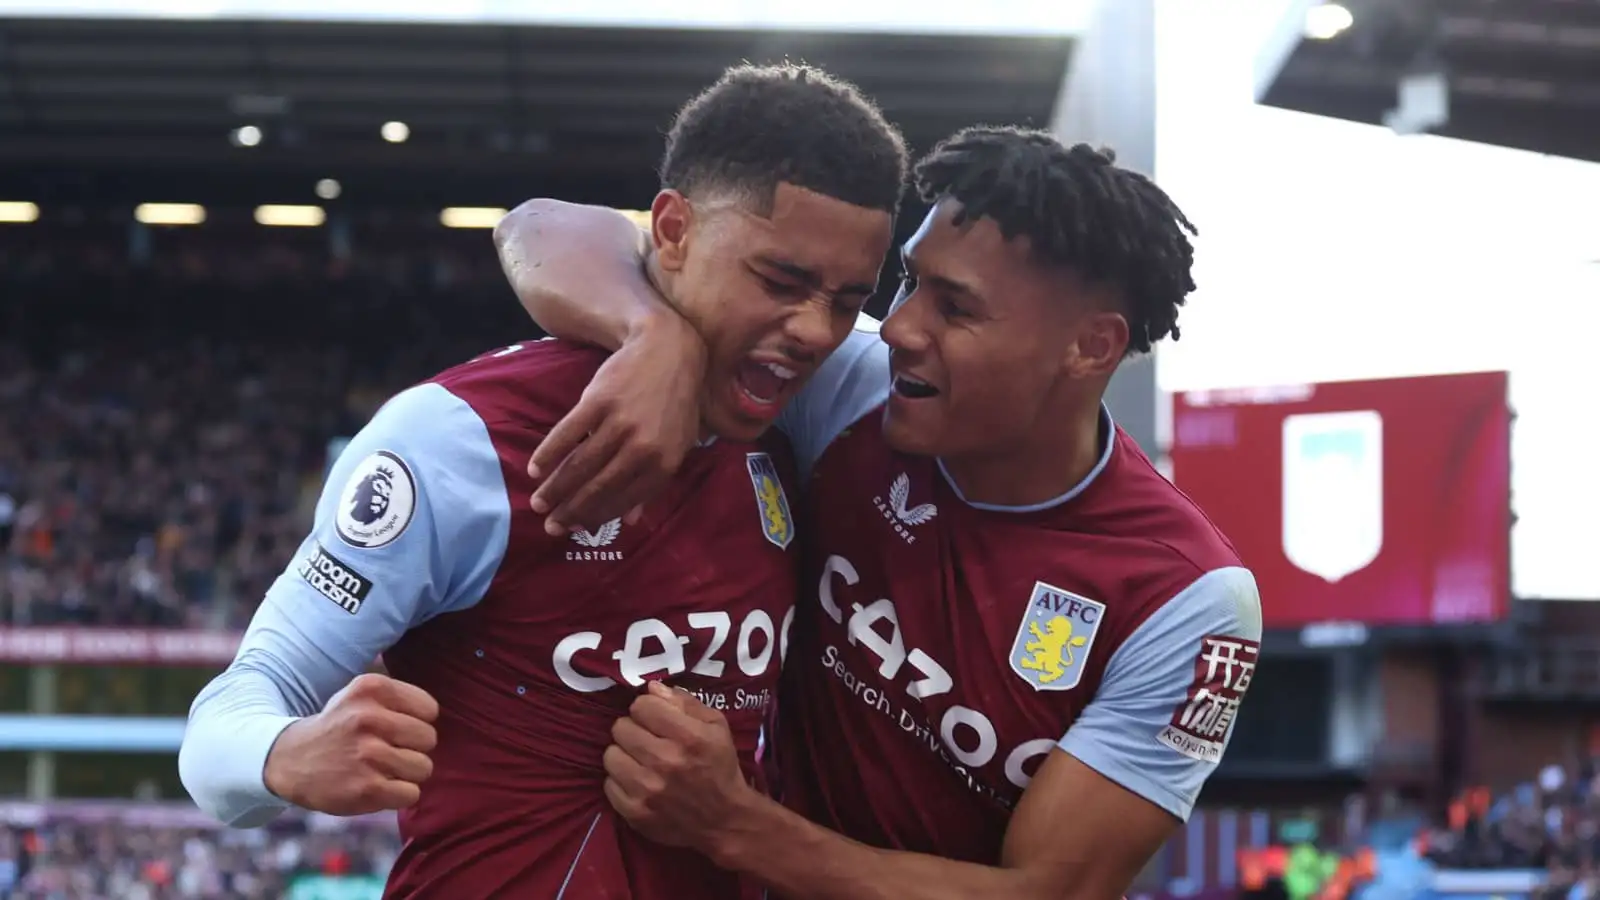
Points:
x=1021 y=650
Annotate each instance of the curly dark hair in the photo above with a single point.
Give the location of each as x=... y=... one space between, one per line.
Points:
x=1079 y=210
x=761 y=126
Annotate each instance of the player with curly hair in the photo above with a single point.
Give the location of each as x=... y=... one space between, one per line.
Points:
x=510 y=651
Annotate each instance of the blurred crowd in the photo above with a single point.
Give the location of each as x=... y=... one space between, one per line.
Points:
x=165 y=421
x=115 y=860
x=1551 y=823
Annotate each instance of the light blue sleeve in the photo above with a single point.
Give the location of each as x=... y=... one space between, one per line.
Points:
x=413 y=522
x=848 y=385
x=1164 y=712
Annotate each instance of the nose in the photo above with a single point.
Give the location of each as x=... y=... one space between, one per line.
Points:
x=903 y=329
x=810 y=332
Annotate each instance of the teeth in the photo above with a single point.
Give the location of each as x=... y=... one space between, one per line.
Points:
x=910 y=380
x=781 y=372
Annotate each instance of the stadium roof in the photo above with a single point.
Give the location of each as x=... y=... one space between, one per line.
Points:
x=882 y=16
x=1523 y=74
x=486 y=102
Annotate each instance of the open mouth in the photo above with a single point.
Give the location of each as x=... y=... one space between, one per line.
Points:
x=913 y=388
x=761 y=386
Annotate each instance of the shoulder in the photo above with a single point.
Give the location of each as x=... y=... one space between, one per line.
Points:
x=1133 y=538
x=425 y=444
x=1218 y=607
x=1137 y=503
x=424 y=417
x=534 y=382
x=1220 y=602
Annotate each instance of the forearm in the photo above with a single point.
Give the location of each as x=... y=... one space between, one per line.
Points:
x=801 y=860
x=232 y=726
x=579 y=271
x=282 y=674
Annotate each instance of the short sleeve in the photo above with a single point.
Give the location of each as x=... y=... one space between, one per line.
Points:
x=413 y=522
x=848 y=385
x=1165 y=709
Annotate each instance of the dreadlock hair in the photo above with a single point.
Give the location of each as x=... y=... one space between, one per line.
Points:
x=1079 y=210
x=761 y=126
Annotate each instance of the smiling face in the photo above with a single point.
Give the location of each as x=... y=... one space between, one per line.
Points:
x=986 y=341
x=771 y=295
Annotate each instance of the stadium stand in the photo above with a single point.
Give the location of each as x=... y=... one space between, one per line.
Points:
x=1550 y=825
x=1539 y=840
x=109 y=853
x=162 y=425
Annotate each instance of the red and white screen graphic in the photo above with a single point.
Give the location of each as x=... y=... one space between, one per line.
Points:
x=1378 y=502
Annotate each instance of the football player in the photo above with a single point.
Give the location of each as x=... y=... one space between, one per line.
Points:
x=511 y=651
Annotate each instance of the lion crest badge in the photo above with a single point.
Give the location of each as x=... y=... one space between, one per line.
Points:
x=1054 y=639
x=777 y=523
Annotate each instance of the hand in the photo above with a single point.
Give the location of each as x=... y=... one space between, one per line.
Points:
x=366 y=752
x=628 y=433
x=673 y=773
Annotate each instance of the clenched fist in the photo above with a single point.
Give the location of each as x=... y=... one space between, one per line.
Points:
x=366 y=752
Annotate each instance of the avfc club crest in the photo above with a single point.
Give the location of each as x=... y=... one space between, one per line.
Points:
x=378 y=502
x=1053 y=642
x=776 y=521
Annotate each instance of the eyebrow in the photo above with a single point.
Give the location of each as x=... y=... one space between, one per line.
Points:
x=812 y=279
x=949 y=285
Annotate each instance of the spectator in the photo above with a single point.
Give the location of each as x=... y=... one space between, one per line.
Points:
x=116 y=860
x=1552 y=823
x=158 y=477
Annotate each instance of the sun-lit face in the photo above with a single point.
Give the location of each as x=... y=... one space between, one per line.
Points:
x=771 y=295
x=984 y=338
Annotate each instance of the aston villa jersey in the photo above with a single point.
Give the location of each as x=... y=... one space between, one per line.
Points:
x=944 y=648
x=425 y=550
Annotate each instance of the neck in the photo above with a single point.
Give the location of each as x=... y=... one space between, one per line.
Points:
x=1057 y=457
x=661 y=280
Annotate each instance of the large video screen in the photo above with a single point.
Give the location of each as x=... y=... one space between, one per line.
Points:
x=1380 y=502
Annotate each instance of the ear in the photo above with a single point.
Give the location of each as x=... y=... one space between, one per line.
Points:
x=670 y=219
x=1098 y=345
